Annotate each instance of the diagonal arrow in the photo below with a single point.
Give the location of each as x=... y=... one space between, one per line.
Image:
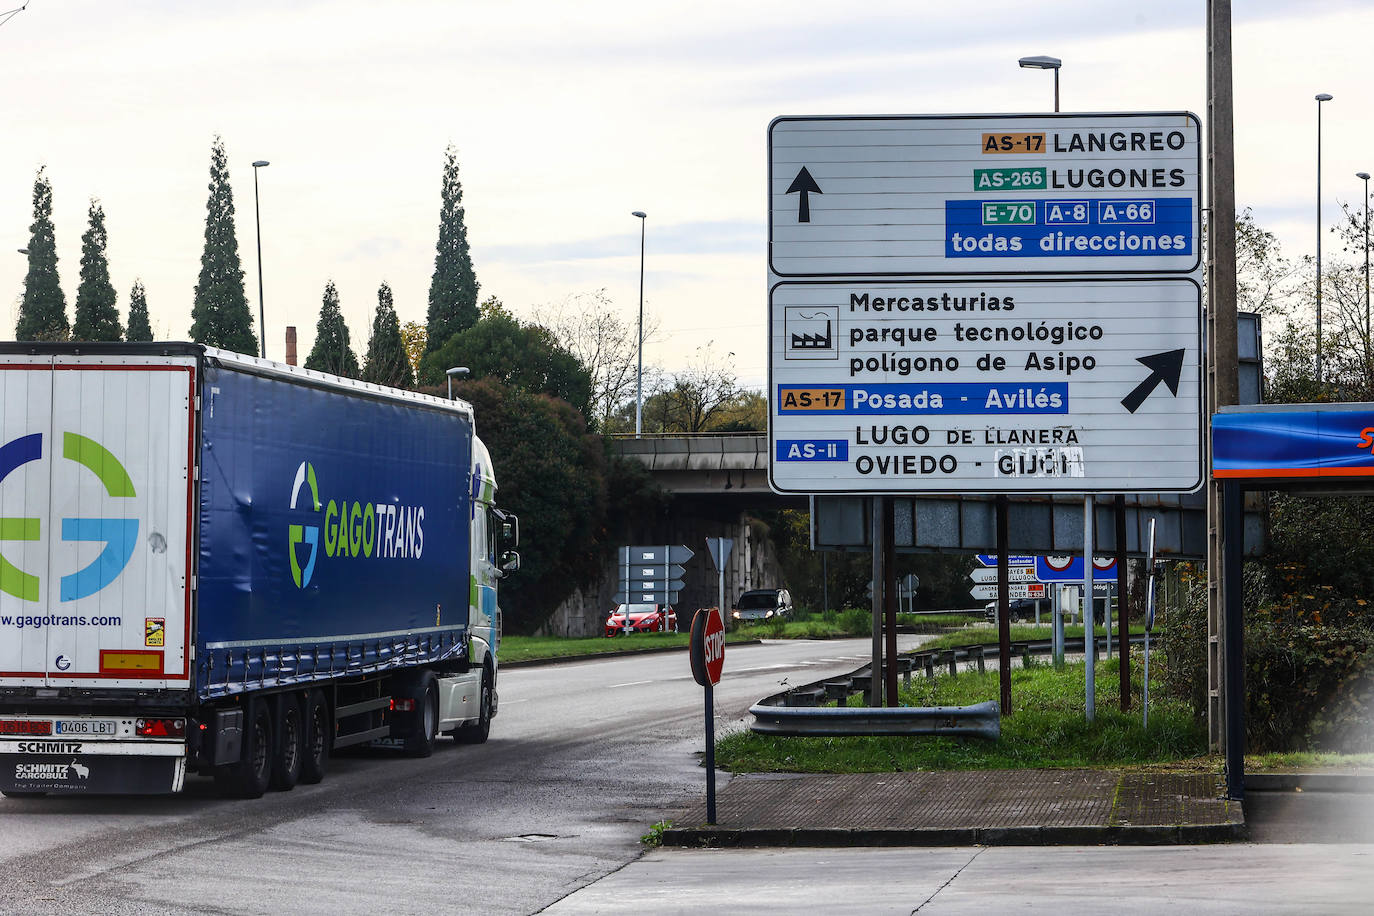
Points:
x=804 y=184
x=1164 y=367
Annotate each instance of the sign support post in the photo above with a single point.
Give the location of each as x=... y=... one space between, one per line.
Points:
x=1089 y=634
x=890 y=596
x=1003 y=608
x=875 y=682
x=707 y=654
x=1123 y=603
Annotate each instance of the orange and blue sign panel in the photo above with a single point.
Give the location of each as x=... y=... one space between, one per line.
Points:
x=1331 y=443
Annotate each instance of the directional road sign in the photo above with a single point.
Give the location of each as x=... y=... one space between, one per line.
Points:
x=1015 y=590
x=639 y=573
x=646 y=596
x=1014 y=574
x=880 y=196
x=994 y=386
x=990 y=559
x=909 y=351
x=660 y=554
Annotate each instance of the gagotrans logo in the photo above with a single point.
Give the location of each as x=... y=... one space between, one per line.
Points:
x=118 y=534
x=353 y=528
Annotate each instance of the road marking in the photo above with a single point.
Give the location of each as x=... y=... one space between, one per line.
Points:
x=629 y=684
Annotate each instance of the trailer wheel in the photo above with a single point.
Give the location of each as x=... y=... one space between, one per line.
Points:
x=317 y=738
x=478 y=732
x=286 y=762
x=420 y=741
x=250 y=775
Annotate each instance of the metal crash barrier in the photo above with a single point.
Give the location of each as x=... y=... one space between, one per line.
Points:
x=983 y=720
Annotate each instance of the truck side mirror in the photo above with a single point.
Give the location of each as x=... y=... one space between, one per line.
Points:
x=510 y=530
x=510 y=562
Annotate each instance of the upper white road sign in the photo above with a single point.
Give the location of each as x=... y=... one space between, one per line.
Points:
x=984 y=194
x=991 y=385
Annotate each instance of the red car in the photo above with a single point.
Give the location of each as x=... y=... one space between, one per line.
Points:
x=644 y=618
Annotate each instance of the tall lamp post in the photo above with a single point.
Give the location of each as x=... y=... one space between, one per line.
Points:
x=639 y=373
x=1320 y=97
x=455 y=372
x=257 y=222
x=1045 y=62
x=1367 y=330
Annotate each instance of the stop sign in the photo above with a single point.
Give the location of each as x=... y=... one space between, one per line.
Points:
x=708 y=646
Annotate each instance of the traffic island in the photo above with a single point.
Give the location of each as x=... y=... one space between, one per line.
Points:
x=955 y=808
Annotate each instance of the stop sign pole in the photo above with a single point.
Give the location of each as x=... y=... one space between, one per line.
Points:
x=707 y=653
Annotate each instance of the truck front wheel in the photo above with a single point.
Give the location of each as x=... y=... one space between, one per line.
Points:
x=479 y=731
x=250 y=775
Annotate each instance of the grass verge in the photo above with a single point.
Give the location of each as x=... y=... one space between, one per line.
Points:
x=986 y=634
x=1048 y=729
x=539 y=648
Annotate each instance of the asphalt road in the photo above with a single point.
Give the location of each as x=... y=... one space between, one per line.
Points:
x=547 y=816
x=583 y=758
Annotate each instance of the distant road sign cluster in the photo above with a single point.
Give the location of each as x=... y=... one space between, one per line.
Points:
x=653 y=574
x=1027 y=577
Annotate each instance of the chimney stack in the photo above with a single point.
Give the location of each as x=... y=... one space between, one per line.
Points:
x=291 y=345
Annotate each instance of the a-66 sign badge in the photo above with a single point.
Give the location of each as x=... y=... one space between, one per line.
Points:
x=708 y=646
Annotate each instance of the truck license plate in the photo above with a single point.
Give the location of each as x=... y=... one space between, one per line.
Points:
x=86 y=727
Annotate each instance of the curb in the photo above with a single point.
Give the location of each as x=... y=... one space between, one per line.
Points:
x=1175 y=835
x=619 y=653
x=1310 y=782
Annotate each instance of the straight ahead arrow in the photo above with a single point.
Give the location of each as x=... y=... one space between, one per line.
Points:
x=804 y=185
x=1164 y=367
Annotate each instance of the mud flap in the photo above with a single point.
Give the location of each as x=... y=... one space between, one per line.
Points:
x=90 y=774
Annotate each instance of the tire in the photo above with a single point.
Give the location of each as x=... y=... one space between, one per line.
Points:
x=419 y=742
x=290 y=727
x=250 y=776
x=479 y=731
x=318 y=738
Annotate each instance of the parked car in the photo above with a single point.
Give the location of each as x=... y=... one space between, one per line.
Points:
x=763 y=604
x=644 y=618
x=1020 y=608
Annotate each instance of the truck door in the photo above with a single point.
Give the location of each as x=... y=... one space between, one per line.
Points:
x=95 y=486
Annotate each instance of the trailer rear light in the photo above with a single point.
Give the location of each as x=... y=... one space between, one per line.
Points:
x=402 y=705
x=160 y=728
x=25 y=727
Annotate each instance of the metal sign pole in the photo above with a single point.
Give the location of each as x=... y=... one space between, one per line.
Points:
x=710 y=756
x=1089 y=636
x=1149 y=623
x=875 y=682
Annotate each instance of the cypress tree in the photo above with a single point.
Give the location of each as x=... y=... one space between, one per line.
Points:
x=97 y=318
x=220 y=316
x=139 y=328
x=332 y=352
x=387 y=363
x=43 y=311
x=453 y=288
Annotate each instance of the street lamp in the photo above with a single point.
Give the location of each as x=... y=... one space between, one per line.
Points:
x=1320 y=97
x=1367 y=330
x=257 y=220
x=1044 y=62
x=455 y=372
x=639 y=373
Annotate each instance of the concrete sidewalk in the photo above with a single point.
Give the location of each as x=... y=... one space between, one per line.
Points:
x=980 y=807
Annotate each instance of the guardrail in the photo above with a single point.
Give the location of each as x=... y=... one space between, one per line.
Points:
x=798 y=711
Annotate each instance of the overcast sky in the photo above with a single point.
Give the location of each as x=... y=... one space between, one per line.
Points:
x=566 y=117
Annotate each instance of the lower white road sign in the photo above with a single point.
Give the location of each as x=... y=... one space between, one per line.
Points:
x=994 y=386
x=1014 y=574
x=1015 y=590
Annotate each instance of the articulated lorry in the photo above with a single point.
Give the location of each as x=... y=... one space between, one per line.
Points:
x=229 y=566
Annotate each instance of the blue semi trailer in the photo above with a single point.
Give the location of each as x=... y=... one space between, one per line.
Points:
x=224 y=565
